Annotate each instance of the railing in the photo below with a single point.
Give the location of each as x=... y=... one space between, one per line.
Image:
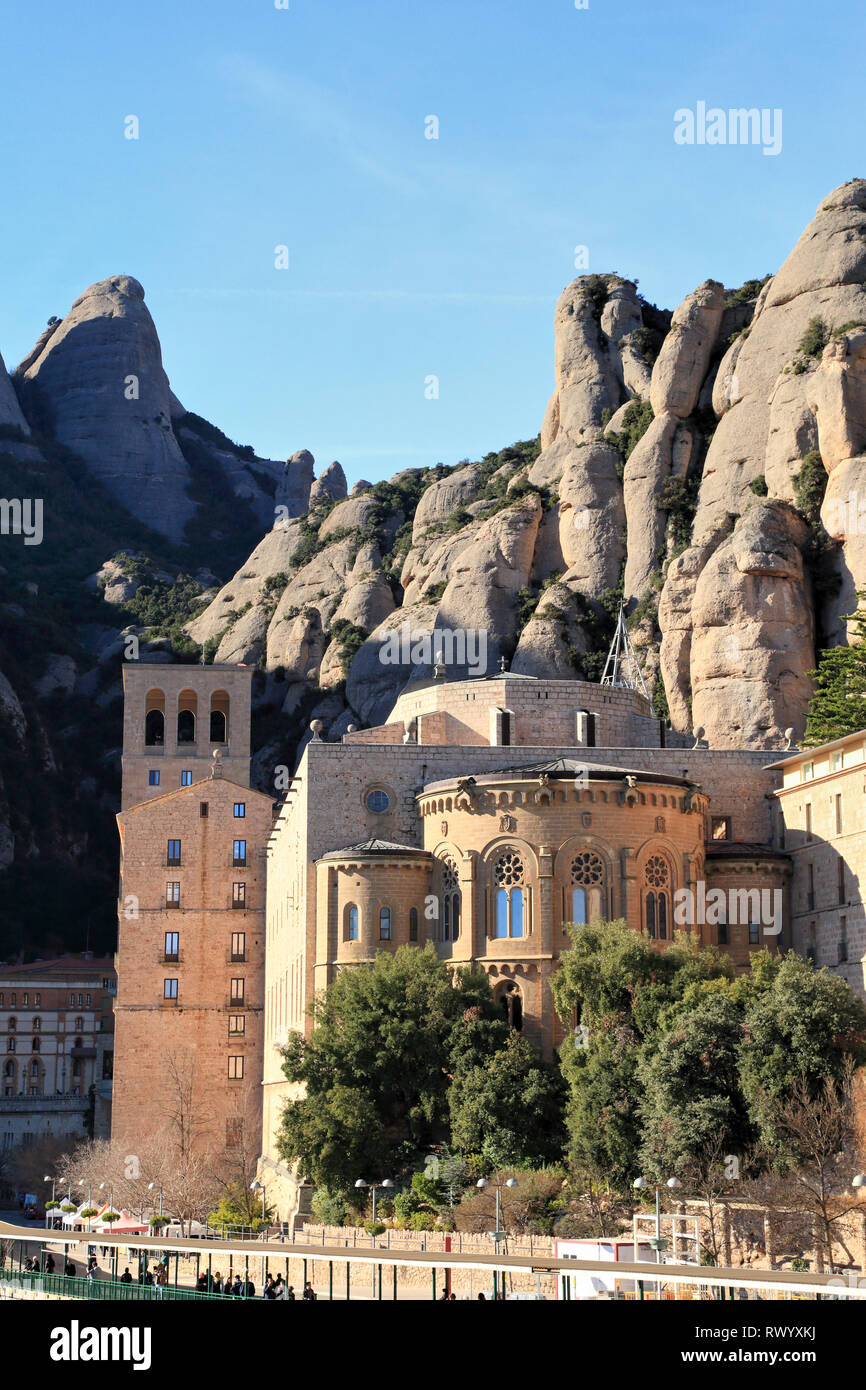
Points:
x=73 y=1286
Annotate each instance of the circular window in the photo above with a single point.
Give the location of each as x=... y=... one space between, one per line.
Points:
x=377 y=800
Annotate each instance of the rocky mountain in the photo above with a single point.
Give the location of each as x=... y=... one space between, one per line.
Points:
x=700 y=464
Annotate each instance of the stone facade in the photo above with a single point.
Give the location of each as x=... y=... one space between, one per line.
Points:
x=191 y=930
x=821 y=822
x=57 y=1045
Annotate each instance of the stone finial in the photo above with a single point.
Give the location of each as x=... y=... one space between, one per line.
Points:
x=439 y=671
x=316 y=727
x=789 y=739
x=410 y=727
x=217 y=766
x=700 y=733
x=351 y=728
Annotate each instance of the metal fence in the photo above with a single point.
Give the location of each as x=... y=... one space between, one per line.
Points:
x=73 y=1286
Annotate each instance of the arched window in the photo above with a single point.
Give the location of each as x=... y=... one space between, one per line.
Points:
x=10 y=1044
x=450 y=900
x=9 y=1069
x=36 y=1044
x=34 y=1068
x=187 y=713
x=587 y=887
x=79 y=1028
x=413 y=924
x=77 y=1043
x=351 y=922
x=37 y=1025
x=219 y=716
x=384 y=924
x=511 y=1004
x=13 y=1024
x=154 y=719
x=508 y=880
x=656 y=897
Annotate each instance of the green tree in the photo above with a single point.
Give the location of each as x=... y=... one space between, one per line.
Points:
x=799 y=1031
x=837 y=706
x=625 y=994
x=510 y=1107
x=691 y=1098
x=388 y=1039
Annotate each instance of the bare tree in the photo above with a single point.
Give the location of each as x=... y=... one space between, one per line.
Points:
x=184 y=1105
x=821 y=1151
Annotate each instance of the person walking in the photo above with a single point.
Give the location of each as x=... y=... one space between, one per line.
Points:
x=278 y=1288
x=49 y=1263
x=69 y=1269
x=160 y=1278
x=268 y=1290
x=290 y=1294
x=216 y=1282
x=126 y=1277
x=309 y=1292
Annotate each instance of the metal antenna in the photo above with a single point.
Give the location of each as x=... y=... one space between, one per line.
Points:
x=621 y=667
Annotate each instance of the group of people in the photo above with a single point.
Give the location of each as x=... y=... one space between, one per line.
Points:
x=243 y=1287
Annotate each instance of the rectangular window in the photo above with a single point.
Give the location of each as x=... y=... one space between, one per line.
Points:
x=240 y=809
x=413 y=924
x=837 y=760
x=153 y=777
x=239 y=854
x=172 y=949
x=186 y=779
x=808 y=821
x=86 y=1002
x=172 y=895
x=239 y=895
x=236 y=1069
x=237 y=994
x=807 y=772
x=169 y=989
x=840 y=882
x=237 y=1024
x=385 y=924
x=839 y=814
x=239 y=945
x=843 y=940
x=71 y=1000
x=720 y=827
x=754 y=934
x=173 y=853
x=25 y=999
x=723 y=933
x=202 y=809
x=38 y=1003
x=810 y=895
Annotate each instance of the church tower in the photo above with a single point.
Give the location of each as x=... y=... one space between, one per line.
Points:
x=190 y=961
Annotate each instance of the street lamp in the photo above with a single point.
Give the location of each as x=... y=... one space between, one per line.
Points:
x=53 y=1182
x=386 y=1182
x=89 y=1191
x=673 y=1184
x=259 y=1187
x=151 y=1187
x=110 y=1187
x=509 y=1182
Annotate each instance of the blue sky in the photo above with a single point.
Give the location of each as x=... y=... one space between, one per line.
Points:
x=409 y=257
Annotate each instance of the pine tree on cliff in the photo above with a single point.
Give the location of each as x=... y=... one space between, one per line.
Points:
x=838 y=705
